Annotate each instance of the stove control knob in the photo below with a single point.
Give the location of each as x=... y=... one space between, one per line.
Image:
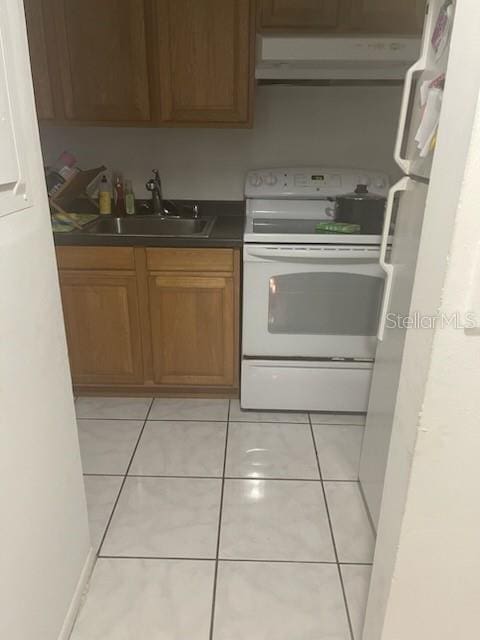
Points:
x=270 y=179
x=255 y=180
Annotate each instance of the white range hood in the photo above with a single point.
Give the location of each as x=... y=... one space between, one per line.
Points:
x=284 y=57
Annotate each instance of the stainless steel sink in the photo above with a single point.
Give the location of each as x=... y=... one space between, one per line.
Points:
x=152 y=226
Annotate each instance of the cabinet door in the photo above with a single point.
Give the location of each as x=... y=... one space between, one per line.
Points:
x=387 y=16
x=103 y=59
x=309 y=14
x=37 y=42
x=102 y=325
x=205 y=58
x=193 y=329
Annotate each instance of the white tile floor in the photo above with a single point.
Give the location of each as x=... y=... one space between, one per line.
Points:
x=212 y=523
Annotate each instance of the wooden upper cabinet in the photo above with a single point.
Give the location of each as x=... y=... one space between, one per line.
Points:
x=303 y=14
x=144 y=62
x=102 y=59
x=376 y=17
x=387 y=16
x=37 y=40
x=205 y=58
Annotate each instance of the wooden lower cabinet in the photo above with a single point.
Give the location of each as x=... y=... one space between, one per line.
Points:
x=150 y=320
x=103 y=328
x=193 y=334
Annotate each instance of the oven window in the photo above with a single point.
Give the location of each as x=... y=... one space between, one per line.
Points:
x=324 y=304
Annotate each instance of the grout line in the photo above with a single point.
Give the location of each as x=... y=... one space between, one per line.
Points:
x=332 y=480
x=174 y=477
x=176 y=558
x=124 y=479
x=103 y=475
x=357 y=415
x=224 y=421
x=271 y=561
x=257 y=479
x=151 y=420
x=367 y=510
x=339 y=424
x=282 y=422
x=250 y=560
x=350 y=626
x=215 y=576
x=268 y=479
x=111 y=419
x=196 y=477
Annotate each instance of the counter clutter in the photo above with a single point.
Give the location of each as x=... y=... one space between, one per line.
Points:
x=154 y=314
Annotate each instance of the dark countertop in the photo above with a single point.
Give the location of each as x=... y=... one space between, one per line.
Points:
x=227 y=231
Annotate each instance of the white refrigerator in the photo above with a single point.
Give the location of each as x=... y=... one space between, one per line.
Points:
x=426 y=86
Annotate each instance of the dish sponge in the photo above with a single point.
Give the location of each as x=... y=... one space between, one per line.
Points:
x=337 y=227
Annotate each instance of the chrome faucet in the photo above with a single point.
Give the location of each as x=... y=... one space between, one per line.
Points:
x=160 y=206
x=166 y=208
x=154 y=185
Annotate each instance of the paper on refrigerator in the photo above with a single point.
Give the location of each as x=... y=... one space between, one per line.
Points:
x=429 y=124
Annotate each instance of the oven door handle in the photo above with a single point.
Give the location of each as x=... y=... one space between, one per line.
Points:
x=386 y=266
x=309 y=255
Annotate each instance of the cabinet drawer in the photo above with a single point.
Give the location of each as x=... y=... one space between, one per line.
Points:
x=190 y=260
x=95 y=258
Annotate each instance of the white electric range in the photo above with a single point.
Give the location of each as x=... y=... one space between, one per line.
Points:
x=311 y=300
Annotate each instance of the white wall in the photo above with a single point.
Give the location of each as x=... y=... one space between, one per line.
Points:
x=427 y=561
x=294 y=125
x=44 y=538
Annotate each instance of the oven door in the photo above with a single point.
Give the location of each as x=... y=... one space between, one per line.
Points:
x=311 y=301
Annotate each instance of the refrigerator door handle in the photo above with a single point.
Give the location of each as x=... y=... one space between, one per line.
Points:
x=400 y=186
x=404 y=163
x=419 y=66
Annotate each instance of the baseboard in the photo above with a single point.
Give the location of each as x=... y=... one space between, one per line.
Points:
x=74 y=607
x=156 y=391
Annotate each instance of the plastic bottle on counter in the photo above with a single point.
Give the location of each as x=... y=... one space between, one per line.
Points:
x=104 y=197
x=129 y=198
